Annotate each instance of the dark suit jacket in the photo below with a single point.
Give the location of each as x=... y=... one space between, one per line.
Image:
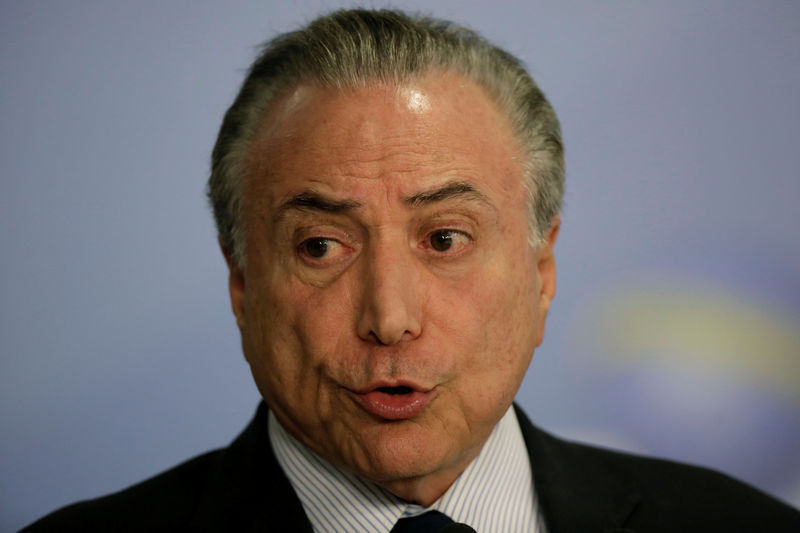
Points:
x=580 y=488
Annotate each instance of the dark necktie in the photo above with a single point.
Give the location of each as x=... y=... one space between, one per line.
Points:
x=430 y=522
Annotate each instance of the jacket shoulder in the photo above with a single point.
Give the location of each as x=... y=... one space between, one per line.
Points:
x=168 y=498
x=644 y=493
x=238 y=488
x=690 y=497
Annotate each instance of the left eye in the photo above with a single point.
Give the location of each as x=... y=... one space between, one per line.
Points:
x=318 y=247
x=448 y=240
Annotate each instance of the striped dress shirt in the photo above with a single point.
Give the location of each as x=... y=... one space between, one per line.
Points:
x=494 y=494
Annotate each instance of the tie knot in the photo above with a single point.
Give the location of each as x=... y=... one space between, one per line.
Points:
x=430 y=522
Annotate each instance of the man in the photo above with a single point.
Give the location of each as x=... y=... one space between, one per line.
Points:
x=387 y=193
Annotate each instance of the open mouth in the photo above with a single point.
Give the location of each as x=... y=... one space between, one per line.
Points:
x=395 y=390
x=399 y=402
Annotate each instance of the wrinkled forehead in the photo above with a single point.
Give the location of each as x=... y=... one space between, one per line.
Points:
x=417 y=135
x=441 y=115
x=424 y=94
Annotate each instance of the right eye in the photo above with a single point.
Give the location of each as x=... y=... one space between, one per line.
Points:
x=317 y=247
x=322 y=251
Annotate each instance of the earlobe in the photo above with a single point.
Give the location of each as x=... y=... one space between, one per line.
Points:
x=235 y=285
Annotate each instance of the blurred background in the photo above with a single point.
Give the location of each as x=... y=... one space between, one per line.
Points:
x=676 y=328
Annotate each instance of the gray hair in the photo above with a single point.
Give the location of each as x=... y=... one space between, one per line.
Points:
x=351 y=48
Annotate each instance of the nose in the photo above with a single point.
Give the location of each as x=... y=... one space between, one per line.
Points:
x=391 y=294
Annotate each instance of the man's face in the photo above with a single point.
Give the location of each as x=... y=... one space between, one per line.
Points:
x=390 y=303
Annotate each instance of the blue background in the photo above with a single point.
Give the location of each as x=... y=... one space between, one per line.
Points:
x=676 y=328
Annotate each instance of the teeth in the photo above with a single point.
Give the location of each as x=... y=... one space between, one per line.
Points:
x=395 y=390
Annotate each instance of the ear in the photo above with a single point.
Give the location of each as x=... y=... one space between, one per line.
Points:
x=235 y=285
x=546 y=269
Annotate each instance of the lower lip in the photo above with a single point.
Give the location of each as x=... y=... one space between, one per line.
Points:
x=395 y=406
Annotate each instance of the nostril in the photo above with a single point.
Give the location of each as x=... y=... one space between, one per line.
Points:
x=388 y=339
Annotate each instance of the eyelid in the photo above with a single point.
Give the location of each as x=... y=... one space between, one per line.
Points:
x=460 y=248
x=337 y=253
x=345 y=243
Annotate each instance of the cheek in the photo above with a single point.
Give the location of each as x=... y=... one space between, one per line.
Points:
x=296 y=332
x=496 y=321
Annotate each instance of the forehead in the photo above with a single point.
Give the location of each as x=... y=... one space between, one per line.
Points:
x=407 y=136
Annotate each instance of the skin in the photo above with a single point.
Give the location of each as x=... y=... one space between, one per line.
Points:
x=386 y=244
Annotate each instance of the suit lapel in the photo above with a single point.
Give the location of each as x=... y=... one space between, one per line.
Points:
x=248 y=490
x=576 y=491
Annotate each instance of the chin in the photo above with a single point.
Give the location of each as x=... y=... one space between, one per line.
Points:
x=402 y=453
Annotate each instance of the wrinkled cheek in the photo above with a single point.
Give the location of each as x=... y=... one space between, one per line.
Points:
x=271 y=349
x=509 y=339
x=324 y=324
x=306 y=354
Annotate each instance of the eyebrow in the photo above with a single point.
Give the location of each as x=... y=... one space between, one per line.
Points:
x=452 y=190
x=313 y=201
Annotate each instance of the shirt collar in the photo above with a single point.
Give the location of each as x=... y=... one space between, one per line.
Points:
x=494 y=493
